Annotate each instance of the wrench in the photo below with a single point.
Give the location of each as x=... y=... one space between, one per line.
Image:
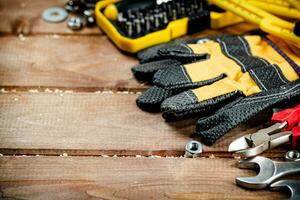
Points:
x=292 y=185
x=268 y=171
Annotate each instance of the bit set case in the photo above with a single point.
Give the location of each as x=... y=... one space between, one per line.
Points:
x=137 y=24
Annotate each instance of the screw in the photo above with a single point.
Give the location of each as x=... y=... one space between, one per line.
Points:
x=193 y=149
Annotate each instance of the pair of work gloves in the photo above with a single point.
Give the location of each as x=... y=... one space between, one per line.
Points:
x=222 y=80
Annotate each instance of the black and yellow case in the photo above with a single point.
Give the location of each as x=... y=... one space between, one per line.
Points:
x=108 y=11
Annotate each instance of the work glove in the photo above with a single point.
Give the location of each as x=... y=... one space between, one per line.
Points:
x=222 y=80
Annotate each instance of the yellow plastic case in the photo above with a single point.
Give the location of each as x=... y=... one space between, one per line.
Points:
x=174 y=29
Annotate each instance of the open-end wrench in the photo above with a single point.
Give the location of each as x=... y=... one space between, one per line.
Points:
x=268 y=171
x=292 y=185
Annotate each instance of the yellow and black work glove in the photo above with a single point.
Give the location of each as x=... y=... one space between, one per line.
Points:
x=230 y=79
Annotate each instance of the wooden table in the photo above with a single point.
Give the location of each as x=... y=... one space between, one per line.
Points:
x=70 y=129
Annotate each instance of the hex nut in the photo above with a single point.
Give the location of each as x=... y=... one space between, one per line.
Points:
x=88 y=13
x=75 y=23
x=73 y=6
x=193 y=149
x=292 y=155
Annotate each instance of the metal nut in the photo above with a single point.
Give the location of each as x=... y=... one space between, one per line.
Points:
x=73 y=6
x=75 y=23
x=90 y=21
x=292 y=155
x=88 y=13
x=193 y=149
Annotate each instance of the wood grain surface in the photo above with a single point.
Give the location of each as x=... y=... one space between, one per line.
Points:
x=123 y=178
x=95 y=124
x=24 y=17
x=67 y=105
x=71 y=62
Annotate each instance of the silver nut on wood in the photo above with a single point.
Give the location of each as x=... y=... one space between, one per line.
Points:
x=193 y=149
x=292 y=155
x=75 y=23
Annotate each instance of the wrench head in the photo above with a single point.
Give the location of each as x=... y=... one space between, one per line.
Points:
x=263 y=166
x=293 y=186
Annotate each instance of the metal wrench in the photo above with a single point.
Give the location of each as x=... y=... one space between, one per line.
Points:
x=292 y=185
x=268 y=171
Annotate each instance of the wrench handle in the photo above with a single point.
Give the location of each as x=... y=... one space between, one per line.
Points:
x=285 y=168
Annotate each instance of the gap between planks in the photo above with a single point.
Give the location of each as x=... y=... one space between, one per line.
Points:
x=90 y=124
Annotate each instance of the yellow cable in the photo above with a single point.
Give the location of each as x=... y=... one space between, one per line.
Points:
x=276 y=9
x=295 y=3
x=266 y=21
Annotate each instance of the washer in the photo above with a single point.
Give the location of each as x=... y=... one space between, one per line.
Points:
x=54 y=14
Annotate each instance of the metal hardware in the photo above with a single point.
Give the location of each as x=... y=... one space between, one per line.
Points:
x=292 y=155
x=73 y=6
x=253 y=144
x=193 y=149
x=89 y=17
x=269 y=171
x=292 y=185
x=75 y=23
x=54 y=15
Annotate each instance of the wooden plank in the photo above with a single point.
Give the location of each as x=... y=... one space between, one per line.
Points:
x=24 y=17
x=123 y=178
x=72 y=62
x=95 y=124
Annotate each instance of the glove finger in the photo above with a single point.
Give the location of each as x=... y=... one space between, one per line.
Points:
x=151 y=99
x=183 y=53
x=145 y=72
x=173 y=80
x=188 y=76
x=201 y=101
x=194 y=102
x=212 y=128
x=151 y=54
x=199 y=73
